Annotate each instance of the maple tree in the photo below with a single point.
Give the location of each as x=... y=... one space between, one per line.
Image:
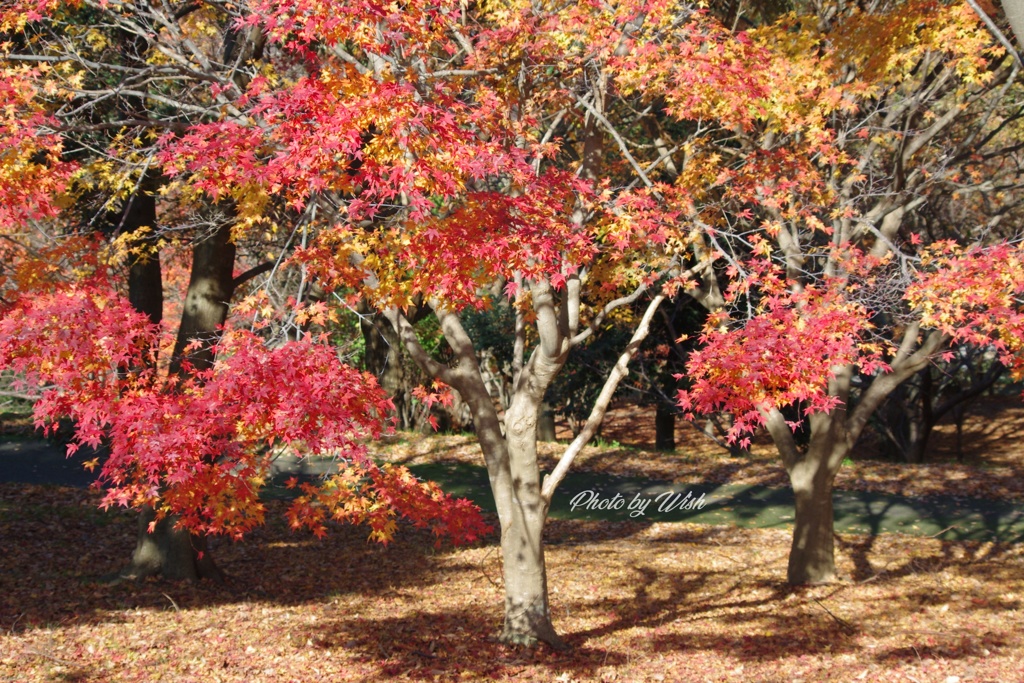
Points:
x=804 y=148
x=836 y=293
x=193 y=417
x=567 y=161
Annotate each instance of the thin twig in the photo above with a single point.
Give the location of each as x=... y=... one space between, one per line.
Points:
x=847 y=626
x=176 y=608
x=948 y=528
x=484 y=572
x=48 y=656
x=592 y=110
x=873 y=578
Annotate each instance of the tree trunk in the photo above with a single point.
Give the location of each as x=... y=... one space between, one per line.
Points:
x=512 y=470
x=145 y=278
x=168 y=551
x=383 y=358
x=919 y=417
x=664 y=428
x=546 y=424
x=832 y=436
x=210 y=288
x=811 y=473
x=527 y=613
x=812 y=557
x=917 y=440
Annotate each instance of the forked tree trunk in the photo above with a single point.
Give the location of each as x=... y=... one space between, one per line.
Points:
x=833 y=435
x=512 y=469
x=511 y=457
x=169 y=551
x=515 y=484
x=811 y=474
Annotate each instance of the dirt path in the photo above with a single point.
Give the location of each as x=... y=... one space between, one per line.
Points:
x=36 y=461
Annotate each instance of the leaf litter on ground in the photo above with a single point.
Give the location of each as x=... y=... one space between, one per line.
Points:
x=637 y=601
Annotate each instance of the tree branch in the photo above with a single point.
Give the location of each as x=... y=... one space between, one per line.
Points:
x=20 y=395
x=1014 y=14
x=407 y=334
x=548 y=329
x=907 y=362
x=595 y=324
x=178 y=126
x=253 y=272
x=782 y=435
x=592 y=110
x=519 y=343
x=618 y=373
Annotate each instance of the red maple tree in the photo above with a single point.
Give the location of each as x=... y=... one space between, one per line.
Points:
x=576 y=163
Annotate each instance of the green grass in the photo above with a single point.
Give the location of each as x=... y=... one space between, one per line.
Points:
x=751 y=506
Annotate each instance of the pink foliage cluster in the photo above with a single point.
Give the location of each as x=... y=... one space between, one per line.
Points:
x=200 y=446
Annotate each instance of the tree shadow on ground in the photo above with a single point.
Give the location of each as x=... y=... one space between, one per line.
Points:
x=424 y=645
x=60 y=552
x=990 y=436
x=57 y=545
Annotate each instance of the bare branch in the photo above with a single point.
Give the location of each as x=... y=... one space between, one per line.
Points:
x=20 y=395
x=407 y=334
x=994 y=30
x=907 y=362
x=782 y=435
x=592 y=110
x=253 y=272
x=548 y=329
x=597 y=413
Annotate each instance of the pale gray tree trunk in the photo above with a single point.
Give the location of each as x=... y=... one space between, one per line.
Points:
x=521 y=498
x=527 y=613
x=1014 y=10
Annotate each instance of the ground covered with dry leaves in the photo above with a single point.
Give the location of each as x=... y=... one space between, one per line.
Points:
x=641 y=601
x=637 y=602
x=989 y=466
